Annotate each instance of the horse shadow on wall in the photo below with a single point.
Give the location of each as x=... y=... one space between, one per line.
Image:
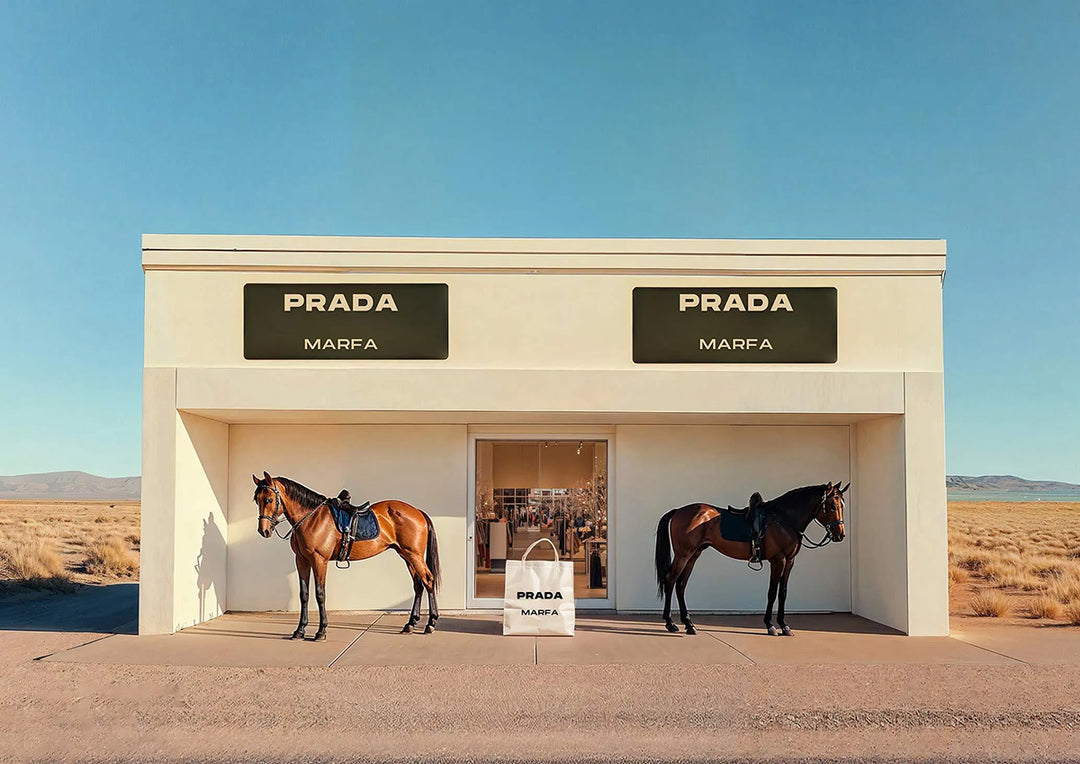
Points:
x=210 y=566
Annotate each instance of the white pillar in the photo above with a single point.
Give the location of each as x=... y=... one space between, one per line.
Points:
x=157 y=552
x=927 y=511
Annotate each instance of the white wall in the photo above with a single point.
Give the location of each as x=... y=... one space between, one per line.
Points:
x=515 y=321
x=200 y=564
x=424 y=465
x=658 y=468
x=881 y=547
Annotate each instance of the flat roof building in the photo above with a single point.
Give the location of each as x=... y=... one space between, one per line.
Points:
x=574 y=389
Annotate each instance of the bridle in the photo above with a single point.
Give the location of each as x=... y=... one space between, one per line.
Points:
x=279 y=513
x=828 y=526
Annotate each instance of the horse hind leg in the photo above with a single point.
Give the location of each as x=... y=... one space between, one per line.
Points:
x=680 y=590
x=669 y=585
x=422 y=579
x=433 y=606
x=414 y=614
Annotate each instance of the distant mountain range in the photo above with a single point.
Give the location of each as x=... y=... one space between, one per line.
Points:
x=83 y=486
x=78 y=486
x=1005 y=483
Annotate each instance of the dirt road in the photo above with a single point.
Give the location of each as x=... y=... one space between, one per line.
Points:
x=71 y=712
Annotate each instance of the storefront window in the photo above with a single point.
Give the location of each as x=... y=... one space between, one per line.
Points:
x=527 y=490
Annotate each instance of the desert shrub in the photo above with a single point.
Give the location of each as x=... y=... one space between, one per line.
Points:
x=35 y=563
x=1072 y=614
x=111 y=558
x=30 y=559
x=973 y=561
x=1064 y=592
x=1045 y=607
x=990 y=604
x=958 y=575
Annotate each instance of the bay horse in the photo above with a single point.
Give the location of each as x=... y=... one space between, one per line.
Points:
x=690 y=530
x=315 y=540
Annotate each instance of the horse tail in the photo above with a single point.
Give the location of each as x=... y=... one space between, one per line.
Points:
x=432 y=556
x=663 y=551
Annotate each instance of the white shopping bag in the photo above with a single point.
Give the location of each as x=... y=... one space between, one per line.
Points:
x=539 y=596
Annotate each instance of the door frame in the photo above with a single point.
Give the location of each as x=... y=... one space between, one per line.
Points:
x=550 y=432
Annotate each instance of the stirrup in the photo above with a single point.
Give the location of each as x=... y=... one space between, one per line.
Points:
x=343 y=553
x=755 y=558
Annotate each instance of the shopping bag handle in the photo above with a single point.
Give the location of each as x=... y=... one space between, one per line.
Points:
x=526 y=555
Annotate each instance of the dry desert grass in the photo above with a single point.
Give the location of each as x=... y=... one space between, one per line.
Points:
x=57 y=545
x=1018 y=560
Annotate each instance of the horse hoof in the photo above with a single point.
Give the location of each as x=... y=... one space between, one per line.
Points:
x=690 y=629
x=406 y=629
x=672 y=627
x=297 y=635
x=787 y=632
x=429 y=628
x=772 y=631
x=320 y=636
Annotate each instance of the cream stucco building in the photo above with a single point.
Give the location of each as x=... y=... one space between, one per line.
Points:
x=543 y=342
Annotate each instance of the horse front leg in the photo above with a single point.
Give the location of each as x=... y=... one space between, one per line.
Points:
x=784 y=630
x=776 y=568
x=303 y=572
x=320 y=596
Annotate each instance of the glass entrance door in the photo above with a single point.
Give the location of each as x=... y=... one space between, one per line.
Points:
x=527 y=490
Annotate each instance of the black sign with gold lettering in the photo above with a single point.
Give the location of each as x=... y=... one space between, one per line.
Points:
x=298 y=321
x=734 y=325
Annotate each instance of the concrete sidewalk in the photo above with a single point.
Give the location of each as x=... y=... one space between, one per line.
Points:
x=373 y=639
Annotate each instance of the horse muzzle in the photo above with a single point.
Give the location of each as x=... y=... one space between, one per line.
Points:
x=837 y=532
x=264 y=532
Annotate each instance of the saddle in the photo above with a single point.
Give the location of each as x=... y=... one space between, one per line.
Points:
x=354 y=523
x=746 y=524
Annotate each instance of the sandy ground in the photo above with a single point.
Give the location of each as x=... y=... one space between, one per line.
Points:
x=51 y=711
x=72 y=712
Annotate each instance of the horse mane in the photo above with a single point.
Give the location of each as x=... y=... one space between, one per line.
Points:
x=301 y=494
x=795 y=495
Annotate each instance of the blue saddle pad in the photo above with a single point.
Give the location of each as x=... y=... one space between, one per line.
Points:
x=367 y=526
x=735 y=527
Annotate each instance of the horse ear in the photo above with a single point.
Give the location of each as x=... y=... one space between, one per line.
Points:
x=828 y=488
x=255 y=479
x=845 y=488
x=266 y=476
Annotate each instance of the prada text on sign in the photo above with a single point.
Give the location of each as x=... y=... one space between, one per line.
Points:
x=297 y=321
x=734 y=325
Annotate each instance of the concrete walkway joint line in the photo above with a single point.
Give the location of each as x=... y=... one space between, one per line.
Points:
x=740 y=652
x=362 y=633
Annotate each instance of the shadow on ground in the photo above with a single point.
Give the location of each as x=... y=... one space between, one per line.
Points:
x=112 y=609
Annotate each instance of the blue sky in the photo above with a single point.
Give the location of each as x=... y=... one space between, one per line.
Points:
x=954 y=120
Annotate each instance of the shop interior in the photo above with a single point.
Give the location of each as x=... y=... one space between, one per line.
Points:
x=528 y=490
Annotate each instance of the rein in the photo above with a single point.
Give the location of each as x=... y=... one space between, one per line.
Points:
x=826 y=539
x=277 y=517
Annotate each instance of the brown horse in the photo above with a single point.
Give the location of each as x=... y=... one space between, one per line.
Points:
x=690 y=530
x=315 y=541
